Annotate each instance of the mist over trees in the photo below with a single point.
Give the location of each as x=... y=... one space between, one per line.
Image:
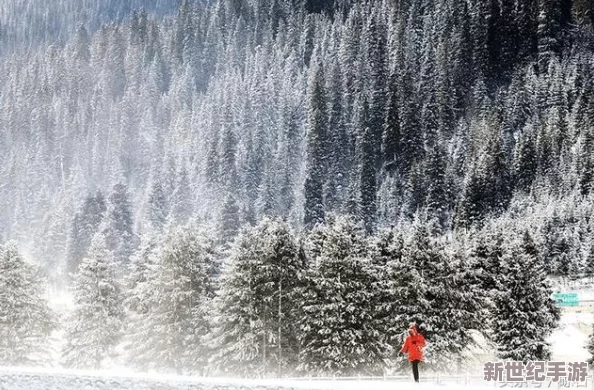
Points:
x=362 y=160
x=232 y=111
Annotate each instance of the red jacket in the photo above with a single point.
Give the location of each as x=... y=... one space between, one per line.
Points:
x=413 y=345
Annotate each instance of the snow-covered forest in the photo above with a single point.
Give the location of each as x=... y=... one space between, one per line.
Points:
x=279 y=187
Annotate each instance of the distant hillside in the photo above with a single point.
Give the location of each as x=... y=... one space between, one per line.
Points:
x=24 y=24
x=450 y=112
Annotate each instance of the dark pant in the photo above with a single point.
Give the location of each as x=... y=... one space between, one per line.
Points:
x=415 y=367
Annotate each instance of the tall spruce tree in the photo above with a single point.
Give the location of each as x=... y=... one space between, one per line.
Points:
x=391 y=128
x=526 y=163
x=437 y=192
x=85 y=224
x=377 y=71
x=426 y=283
x=367 y=172
x=229 y=222
x=525 y=314
x=27 y=321
x=118 y=225
x=255 y=326
x=171 y=327
x=95 y=324
x=140 y=298
x=317 y=148
x=182 y=199
x=157 y=208
x=340 y=332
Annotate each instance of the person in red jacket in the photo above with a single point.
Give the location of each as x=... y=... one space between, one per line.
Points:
x=413 y=346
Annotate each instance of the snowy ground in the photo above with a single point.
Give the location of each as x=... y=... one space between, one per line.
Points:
x=43 y=379
x=51 y=379
x=569 y=340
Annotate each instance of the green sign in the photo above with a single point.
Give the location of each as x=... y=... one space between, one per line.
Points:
x=566 y=299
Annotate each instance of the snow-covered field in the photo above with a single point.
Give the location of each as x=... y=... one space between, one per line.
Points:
x=44 y=379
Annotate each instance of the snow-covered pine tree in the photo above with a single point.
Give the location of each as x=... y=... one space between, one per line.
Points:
x=143 y=267
x=27 y=321
x=485 y=255
x=340 y=333
x=589 y=261
x=229 y=223
x=366 y=161
x=525 y=314
x=140 y=299
x=549 y=32
x=181 y=199
x=84 y=226
x=95 y=324
x=118 y=225
x=258 y=305
x=157 y=207
x=561 y=252
x=525 y=163
x=496 y=173
x=317 y=147
x=386 y=251
x=173 y=324
x=391 y=128
x=433 y=286
x=337 y=153
x=376 y=61
x=437 y=201
x=411 y=141
x=470 y=204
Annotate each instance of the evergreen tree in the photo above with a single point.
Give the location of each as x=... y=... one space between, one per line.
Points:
x=437 y=192
x=157 y=207
x=229 y=225
x=526 y=163
x=411 y=135
x=117 y=225
x=340 y=334
x=257 y=316
x=391 y=129
x=95 y=325
x=317 y=147
x=85 y=224
x=560 y=252
x=486 y=253
x=337 y=153
x=317 y=6
x=377 y=64
x=426 y=283
x=525 y=313
x=586 y=162
x=366 y=163
x=182 y=199
x=386 y=251
x=27 y=321
x=549 y=31
x=143 y=268
x=471 y=208
x=462 y=56
x=170 y=328
x=589 y=262
x=499 y=186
